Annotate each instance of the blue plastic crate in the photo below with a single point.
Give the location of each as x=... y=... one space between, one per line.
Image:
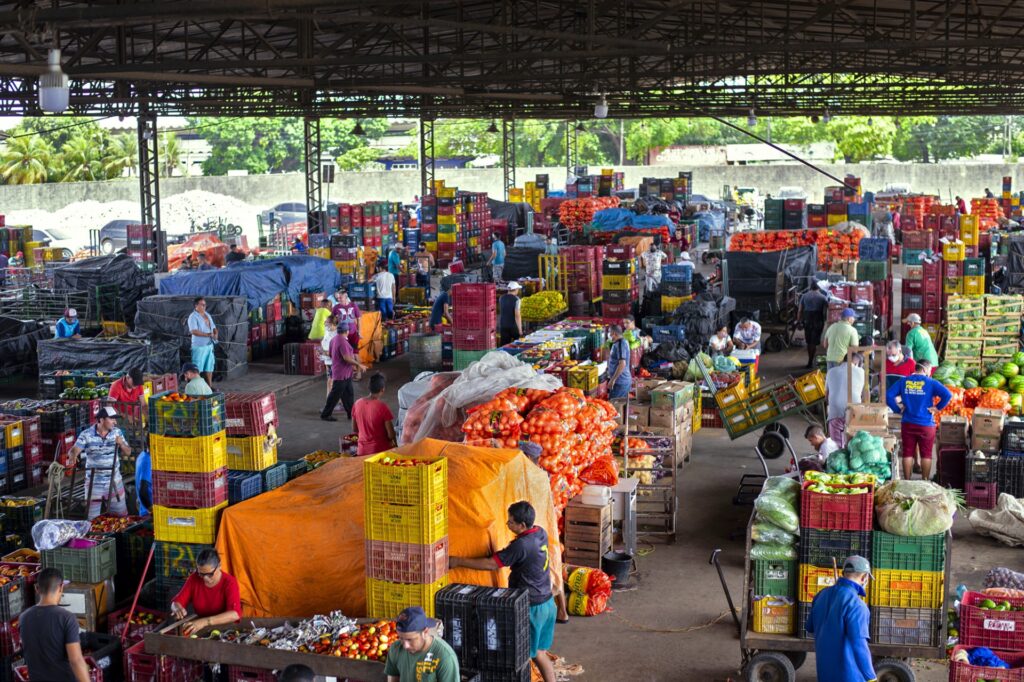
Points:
x=677 y=272
x=274 y=476
x=874 y=249
x=362 y=290
x=243 y=484
x=319 y=241
x=668 y=332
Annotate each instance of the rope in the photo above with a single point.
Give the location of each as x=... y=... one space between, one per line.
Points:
x=673 y=631
x=55 y=473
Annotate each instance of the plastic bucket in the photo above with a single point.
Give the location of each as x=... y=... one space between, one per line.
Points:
x=617 y=565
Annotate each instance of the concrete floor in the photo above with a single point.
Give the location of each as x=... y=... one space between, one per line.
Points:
x=650 y=631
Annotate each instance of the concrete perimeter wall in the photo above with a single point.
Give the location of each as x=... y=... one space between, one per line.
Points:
x=968 y=180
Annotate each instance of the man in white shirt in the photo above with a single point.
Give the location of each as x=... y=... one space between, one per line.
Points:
x=385 y=283
x=822 y=445
x=841 y=381
x=652 y=267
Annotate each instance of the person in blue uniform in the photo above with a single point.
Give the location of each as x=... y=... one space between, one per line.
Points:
x=839 y=620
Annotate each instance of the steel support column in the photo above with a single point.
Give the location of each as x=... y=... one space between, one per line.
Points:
x=314 y=195
x=508 y=153
x=426 y=157
x=572 y=139
x=149 y=182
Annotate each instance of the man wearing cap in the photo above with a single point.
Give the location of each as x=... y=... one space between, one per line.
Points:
x=101 y=443
x=204 y=336
x=839 y=337
x=68 y=327
x=914 y=396
x=420 y=655
x=510 y=320
x=838 y=620
x=195 y=385
x=527 y=557
x=919 y=341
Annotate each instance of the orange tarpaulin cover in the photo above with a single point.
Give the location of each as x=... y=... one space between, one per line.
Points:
x=370 y=344
x=299 y=550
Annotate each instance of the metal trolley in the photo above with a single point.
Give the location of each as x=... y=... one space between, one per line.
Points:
x=776 y=658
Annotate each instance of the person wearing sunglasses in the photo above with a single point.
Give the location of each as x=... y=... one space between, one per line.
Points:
x=212 y=594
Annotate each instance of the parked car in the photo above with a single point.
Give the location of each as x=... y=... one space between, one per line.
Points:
x=62 y=238
x=114 y=236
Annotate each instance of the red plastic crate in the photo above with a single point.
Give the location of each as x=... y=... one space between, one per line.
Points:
x=616 y=310
x=244 y=673
x=33 y=454
x=621 y=251
x=919 y=239
x=836 y=512
x=50 y=442
x=117 y=622
x=250 y=414
x=91 y=408
x=10 y=638
x=484 y=318
x=95 y=673
x=142 y=667
x=190 y=491
x=962 y=672
x=999 y=630
x=981 y=495
x=473 y=295
x=402 y=562
x=310 y=362
x=30 y=432
x=473 y=340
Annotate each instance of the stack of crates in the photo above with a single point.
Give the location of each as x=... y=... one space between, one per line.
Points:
x=251 y=421
x=922 y=293
x=816 y=216
x=618 y=301
x=676 y=283
x=906 y=592
x=142 y=245
x=188 y=449
x=406 y=523
x=345 y=254
x=1002 y=327
x=774 y=213
x=965 y=325
x=474 y=322
x=832 y=527
x=488 y=628
x=794 y=216
x=873 y=263
x=835 y=211
x=91 y=569
x=12 y=454
x=586 y=266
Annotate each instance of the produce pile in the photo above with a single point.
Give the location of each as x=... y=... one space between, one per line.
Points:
x=577 y=213
x=864 y=454
x=589 y=589
x=776 y=526
x=84 y=393
x=915 y=508
x=839 y=484
x=108 y=523
x=320 y=457
x=333 y=635
x=573 y=431
x=542 y=306
x=832 y=244
x=1001 y=389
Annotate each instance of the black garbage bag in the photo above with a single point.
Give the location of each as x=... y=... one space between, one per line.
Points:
x=155 y=355
x=521 y=263
x=672 y=351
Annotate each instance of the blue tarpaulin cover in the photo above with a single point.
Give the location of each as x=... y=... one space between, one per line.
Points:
x=611 y=219
x=707 y=221
x=258 y=282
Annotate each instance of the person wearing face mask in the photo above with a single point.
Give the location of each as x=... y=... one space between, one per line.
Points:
x=897 y=361
x=839 y=620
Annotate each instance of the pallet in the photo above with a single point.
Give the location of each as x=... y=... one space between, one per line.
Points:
x=588 y=533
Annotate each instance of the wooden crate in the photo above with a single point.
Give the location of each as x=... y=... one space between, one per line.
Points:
x=588 y=533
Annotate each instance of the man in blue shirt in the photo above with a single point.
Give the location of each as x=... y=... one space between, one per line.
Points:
x=143 y=483
x=839 y=622
x=917 y=393
x=439 y=312
x=620 y=379
x=395 y=262
x=298 y=246
x=68 y=327
x=497 y=259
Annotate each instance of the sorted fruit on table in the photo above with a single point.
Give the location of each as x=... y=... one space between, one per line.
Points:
x=542 y=306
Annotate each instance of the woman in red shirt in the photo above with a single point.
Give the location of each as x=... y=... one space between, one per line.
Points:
x=372 y=420
x=212 y=593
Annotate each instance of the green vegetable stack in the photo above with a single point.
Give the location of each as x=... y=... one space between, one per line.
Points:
x=864 y=454
x=773 y=556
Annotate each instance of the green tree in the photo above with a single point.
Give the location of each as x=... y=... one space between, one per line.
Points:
x=862 y=138
x=83 y=157
x=122 y=153
x=24 y=160
x=357 y=159
x=168 y=154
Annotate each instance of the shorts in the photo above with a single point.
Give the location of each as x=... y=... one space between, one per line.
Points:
x=812 y=333
x=542 y=626
x=915 y=436
x=202 y=356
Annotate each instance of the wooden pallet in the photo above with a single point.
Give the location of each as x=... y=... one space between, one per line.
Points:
x=588 y=533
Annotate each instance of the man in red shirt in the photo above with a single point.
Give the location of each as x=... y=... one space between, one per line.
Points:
x=129 y=388
x=896 y=361
x=212 y=593
x=372 y=420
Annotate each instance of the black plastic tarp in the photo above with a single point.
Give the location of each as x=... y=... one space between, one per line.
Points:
x=118 y=271
x=120 y=354
x=515 y=213
x=1015 y=254
x=756 y=275
x=257 y=282
x=167 y=316
x=521 y=262
x=18 y=339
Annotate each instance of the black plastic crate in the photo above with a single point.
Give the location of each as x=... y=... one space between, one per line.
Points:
x=1013 y=436
x=57 y=419
x=802 y=611
x=454 y=606
x=980 y=468
x=522 y=674
x=244 y=484
x=175 y=561
x=1009 y=475
x=274 y=476
x=469 y=675
x=914 y=627
x=290 y=352
x=20 y=519
x=819 y=547
x=503 y=628
x=50 y=385
x=296 y=467
x=106 y=651
x=164 y=591
x=13 y=599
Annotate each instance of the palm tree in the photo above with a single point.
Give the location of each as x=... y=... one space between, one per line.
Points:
x=82 y=154
x=170 y=154
x=24 y=161
x=122 y=153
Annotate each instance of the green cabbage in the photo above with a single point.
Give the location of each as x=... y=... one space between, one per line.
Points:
x=914 y=508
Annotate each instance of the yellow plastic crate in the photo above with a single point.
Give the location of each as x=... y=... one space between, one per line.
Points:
x=252 y=453
x=424 y=485
x=192 y=526
x=670 y=303
x=814 y=579
x=952 y=285
x=728 y=397
x=13 y=435
x=811 y=386
x=776 y=615
x=618 y=281
x=386 y=599
x=906 y=589
x=198 y=455
x=974 y=285
x=953 y=250
x=447 y=237
x=835 y=219
x=584 y=377
x=431 y=246
x=346 y=267
x=418 y=524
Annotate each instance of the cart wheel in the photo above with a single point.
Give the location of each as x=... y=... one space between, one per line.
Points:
x=797 y=658
x=893 y=670
x=774 y=344
x=778 y=427
x=769 y=666
x=772 y=444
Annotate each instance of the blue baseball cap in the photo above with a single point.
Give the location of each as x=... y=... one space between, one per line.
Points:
x=848 y=312
x=414 y=619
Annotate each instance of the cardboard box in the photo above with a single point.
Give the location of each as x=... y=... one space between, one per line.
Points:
x=644 y=388
x=861 y=417
x=952 y=430
x=988 y=422
x=89 y=602
x=638 y=415
x=672 y=394
x=987 y=444
x=665 y=417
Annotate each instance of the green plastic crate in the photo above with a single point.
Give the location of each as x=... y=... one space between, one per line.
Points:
x=922 y=553
x=175 y=561
x=203 y=417
x=776 y=578
x=92 y=565
x=872 y=271
x=461 y=359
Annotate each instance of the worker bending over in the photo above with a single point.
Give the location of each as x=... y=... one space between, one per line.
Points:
x=838 y=620
x=212 y=594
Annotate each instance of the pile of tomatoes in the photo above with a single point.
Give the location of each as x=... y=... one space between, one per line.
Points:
x=177 y=398
x=107 y=523
x=370 y=643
